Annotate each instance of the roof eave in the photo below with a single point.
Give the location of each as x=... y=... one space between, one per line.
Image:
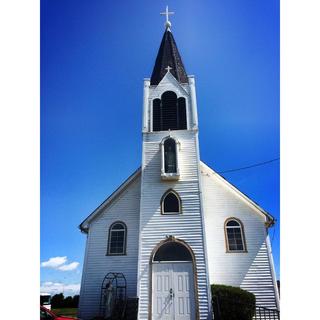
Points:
x=270 y=219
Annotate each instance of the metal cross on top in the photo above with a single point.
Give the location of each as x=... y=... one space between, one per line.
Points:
x=167 y=13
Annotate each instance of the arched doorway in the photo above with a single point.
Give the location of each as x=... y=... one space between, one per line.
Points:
x=173 y=281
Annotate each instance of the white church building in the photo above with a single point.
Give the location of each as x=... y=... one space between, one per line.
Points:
x=175 y=226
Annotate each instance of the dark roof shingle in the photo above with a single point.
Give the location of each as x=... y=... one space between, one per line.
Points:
x=168 y=55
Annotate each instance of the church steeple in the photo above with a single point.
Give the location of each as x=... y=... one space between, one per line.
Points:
x=168 y=56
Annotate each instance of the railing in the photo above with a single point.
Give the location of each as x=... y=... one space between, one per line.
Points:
x=263 y=313
x=252 y=311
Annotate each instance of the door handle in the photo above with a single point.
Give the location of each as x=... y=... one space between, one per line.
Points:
x=171 y=293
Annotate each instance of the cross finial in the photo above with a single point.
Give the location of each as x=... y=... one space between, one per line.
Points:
x=167 y=13
x=168 y=68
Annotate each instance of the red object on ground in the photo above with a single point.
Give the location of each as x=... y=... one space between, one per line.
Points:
x=49 y=315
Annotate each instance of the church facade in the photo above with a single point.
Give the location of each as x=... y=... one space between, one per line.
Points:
x=175 y=226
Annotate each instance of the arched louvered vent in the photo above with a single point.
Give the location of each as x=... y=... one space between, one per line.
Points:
x=157 y=120
x=169 y=112
x=182 y=116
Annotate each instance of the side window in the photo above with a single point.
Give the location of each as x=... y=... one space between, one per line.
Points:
x=117 y=239
x=171 y=203
x=234 y=235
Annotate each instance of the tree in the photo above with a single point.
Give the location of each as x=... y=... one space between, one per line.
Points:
x=75 y=301
x=67 y=303
x=57 y=300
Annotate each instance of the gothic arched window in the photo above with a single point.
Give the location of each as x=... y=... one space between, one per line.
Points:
x=169 y=112
x=170 y=203
x=117 y=239
x=234 y=235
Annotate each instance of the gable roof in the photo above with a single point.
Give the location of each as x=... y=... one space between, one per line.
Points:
x=271 y=220
x=84 y=226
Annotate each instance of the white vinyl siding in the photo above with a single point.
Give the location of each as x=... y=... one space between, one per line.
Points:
x=97 y=264
x=251 y=270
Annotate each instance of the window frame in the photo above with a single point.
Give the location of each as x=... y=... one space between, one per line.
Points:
x=228 y=250
x=162 y=203
x=124 y=251
x=167 y=175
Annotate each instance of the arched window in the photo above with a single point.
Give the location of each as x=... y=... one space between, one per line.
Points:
x=170 y=156
x=117 y=239
x=170 y=203
x=169 y=112
x=234 y=235
x=169 y=161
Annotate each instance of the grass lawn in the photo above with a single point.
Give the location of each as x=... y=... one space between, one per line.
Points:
x=68 y=312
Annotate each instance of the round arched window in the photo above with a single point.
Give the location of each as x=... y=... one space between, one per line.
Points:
x=117 y=239
x=234 y=235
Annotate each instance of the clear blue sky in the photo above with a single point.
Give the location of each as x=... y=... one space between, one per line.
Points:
x=94 y=56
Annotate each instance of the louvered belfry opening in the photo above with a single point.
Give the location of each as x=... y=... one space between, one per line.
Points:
x=169 y=112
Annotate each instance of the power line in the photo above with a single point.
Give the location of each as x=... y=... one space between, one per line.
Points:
x=251 y=166
x=274 y=230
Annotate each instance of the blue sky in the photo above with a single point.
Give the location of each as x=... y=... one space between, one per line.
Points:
x=94 y=56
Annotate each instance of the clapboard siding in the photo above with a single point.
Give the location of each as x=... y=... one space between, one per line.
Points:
x=187 y=226
x=97 y=264
x=251 y=270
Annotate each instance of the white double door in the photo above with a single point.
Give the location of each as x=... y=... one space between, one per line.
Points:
x=173 y=291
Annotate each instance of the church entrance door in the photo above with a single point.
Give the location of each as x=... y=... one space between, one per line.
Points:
x=173 y=291
x=173 y=296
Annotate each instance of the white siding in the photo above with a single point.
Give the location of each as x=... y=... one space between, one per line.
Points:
x=97 y=264
x=251 y=270
x=154 y=227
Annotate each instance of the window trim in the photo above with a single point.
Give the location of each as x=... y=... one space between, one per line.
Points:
x=124 y=252
x=167 y=175
x=242 y=235
x=162 y=203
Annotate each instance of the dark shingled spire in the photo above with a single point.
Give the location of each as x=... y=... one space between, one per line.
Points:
x=168 y=55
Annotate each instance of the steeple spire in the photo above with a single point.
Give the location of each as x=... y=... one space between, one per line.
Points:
x=168 y=56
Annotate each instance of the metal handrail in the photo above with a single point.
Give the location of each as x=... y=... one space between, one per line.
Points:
x=260 y=312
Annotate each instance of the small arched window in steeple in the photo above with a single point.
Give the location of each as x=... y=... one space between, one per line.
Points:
x=170 y=156
x=169 y=112
x=169 y=151
x=170 y=203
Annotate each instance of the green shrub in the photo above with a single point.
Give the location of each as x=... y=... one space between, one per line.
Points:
x=232 y=303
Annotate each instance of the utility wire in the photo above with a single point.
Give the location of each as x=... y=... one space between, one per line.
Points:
x=274 y=230
x=252 y=166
